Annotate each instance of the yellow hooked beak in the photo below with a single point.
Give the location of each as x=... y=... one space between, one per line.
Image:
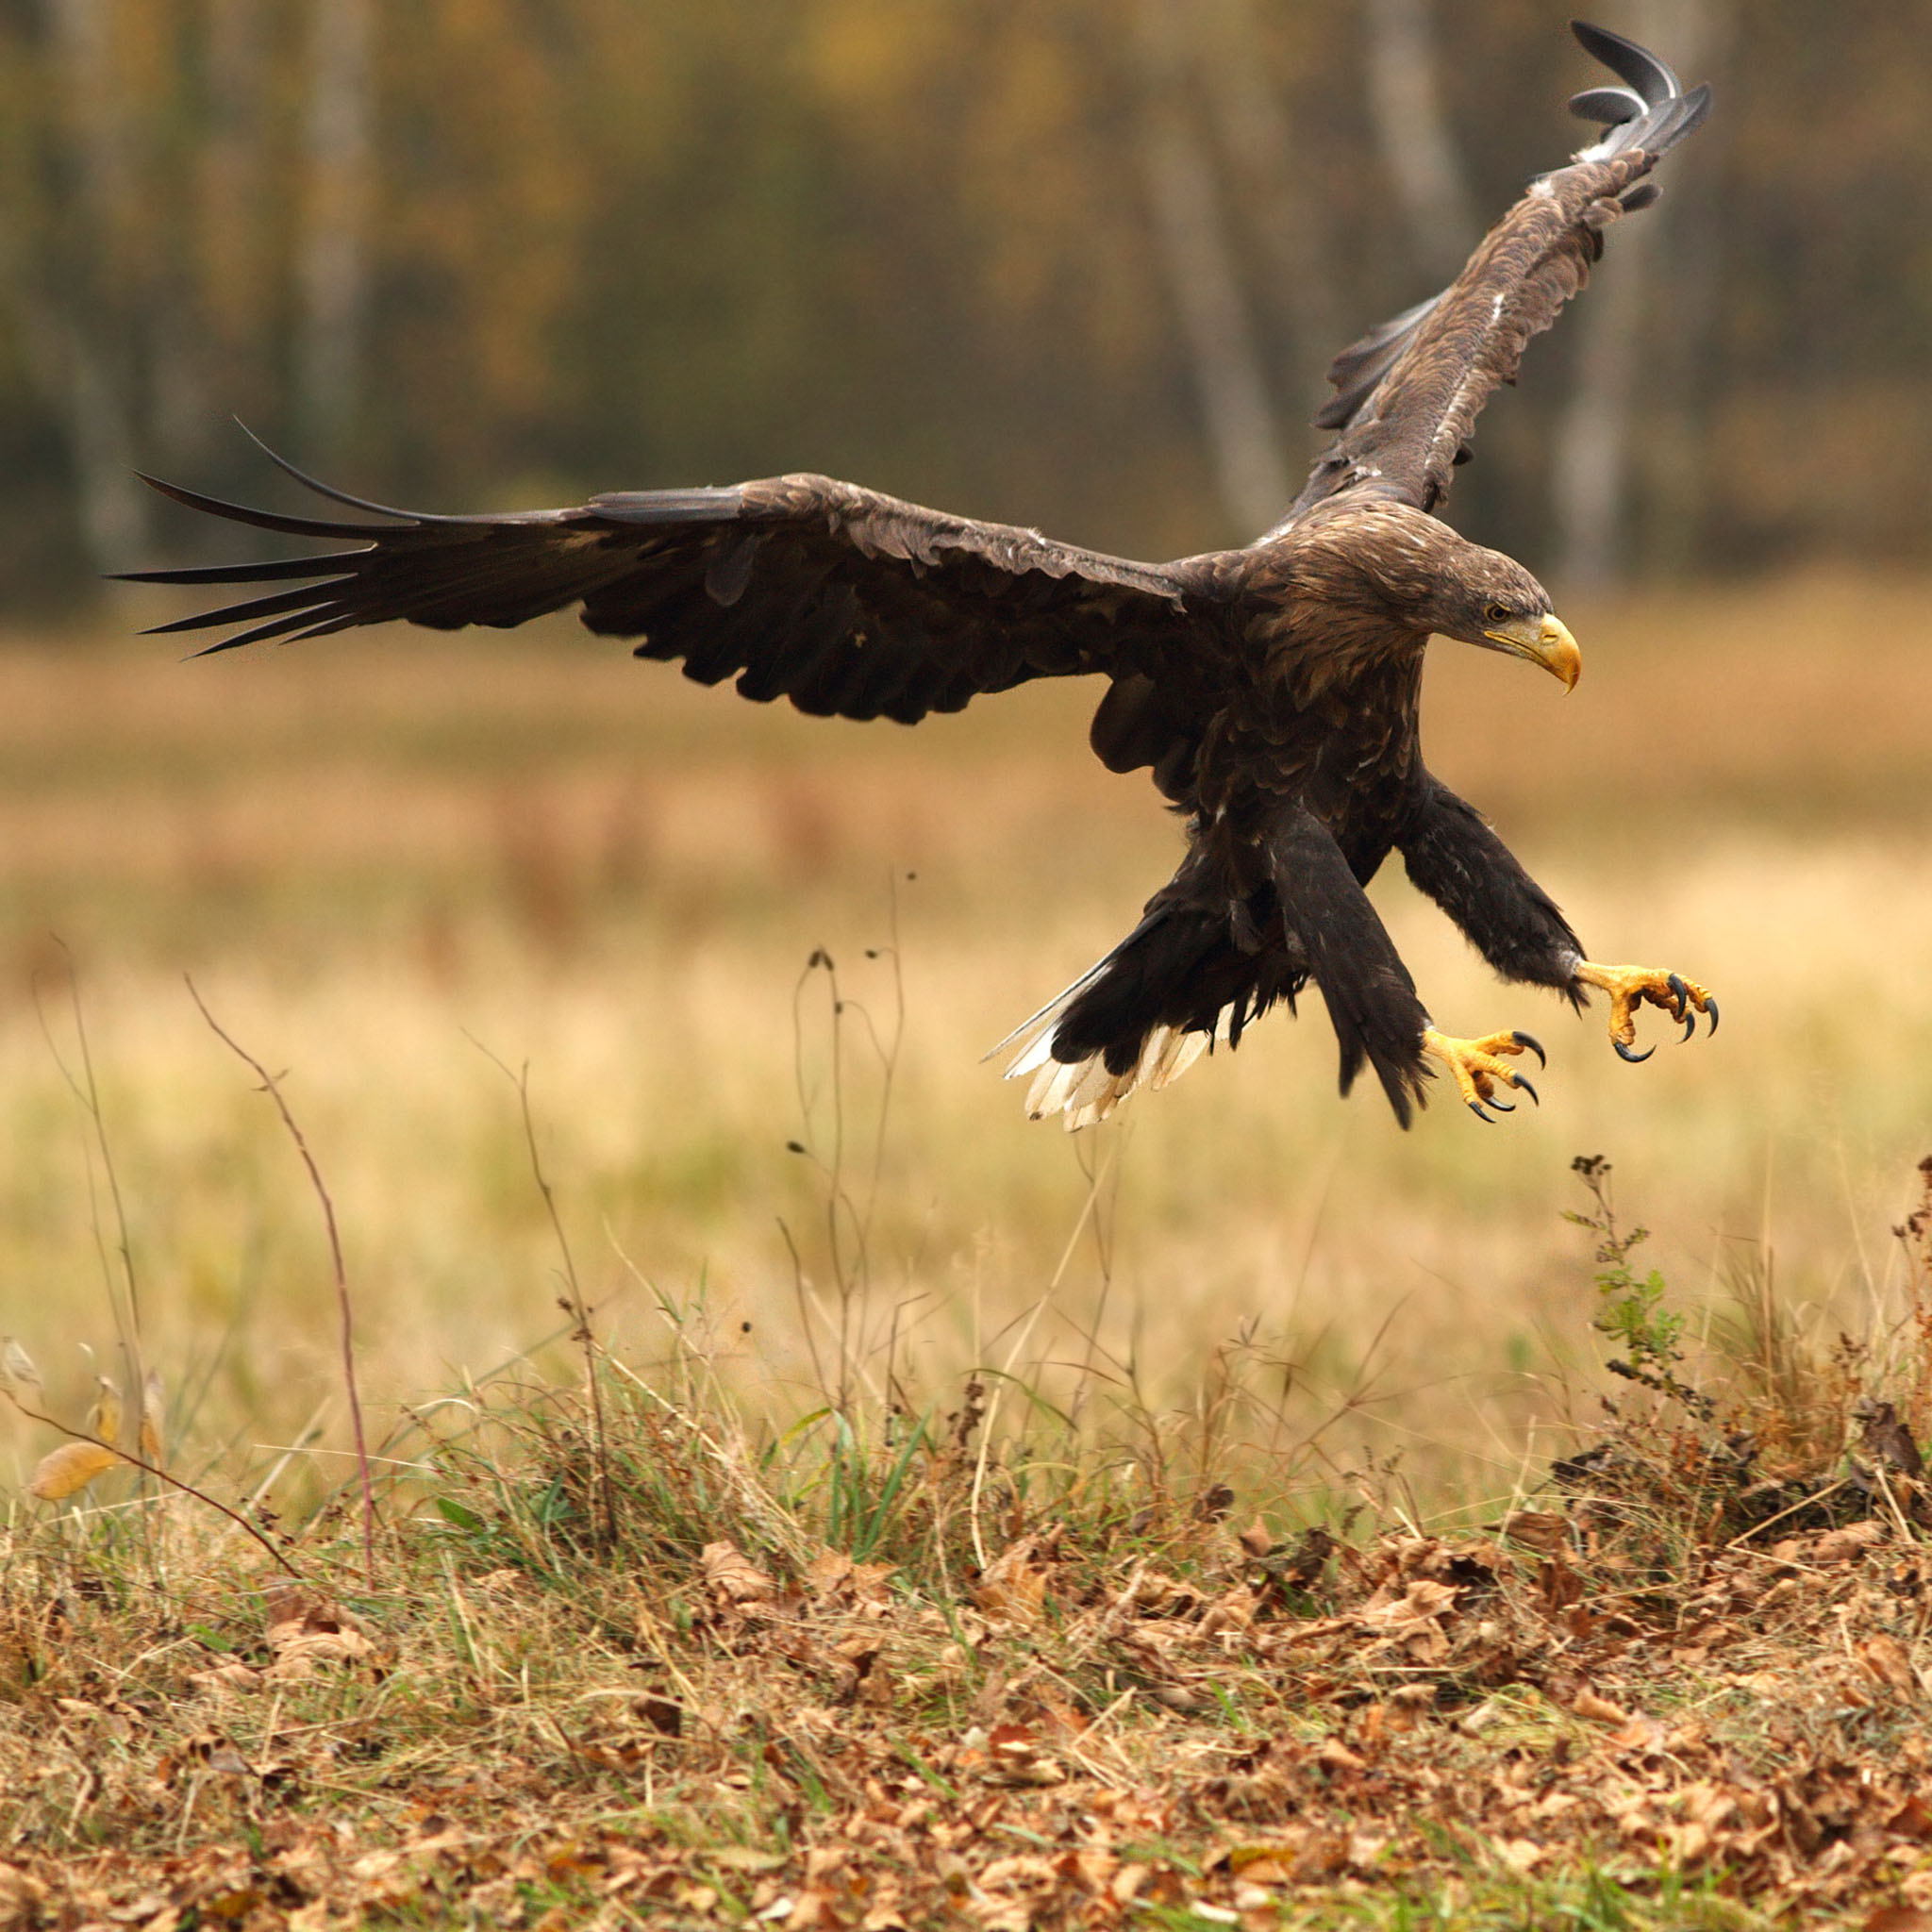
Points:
x=1544 y=640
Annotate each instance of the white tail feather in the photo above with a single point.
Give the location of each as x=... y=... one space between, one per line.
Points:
x=1084 y=1092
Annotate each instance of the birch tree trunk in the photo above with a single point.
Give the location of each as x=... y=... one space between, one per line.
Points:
x=210 y=331
x=332 y=271
x=1190 y=231
x=1591 y=467
x=1256 y=131
x=68 y=308
x=1405 y=106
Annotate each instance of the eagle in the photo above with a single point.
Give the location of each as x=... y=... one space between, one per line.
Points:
x=1272 y=691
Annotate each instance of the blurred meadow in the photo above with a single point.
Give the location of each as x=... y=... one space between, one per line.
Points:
x=383 y=861
x=486 y=255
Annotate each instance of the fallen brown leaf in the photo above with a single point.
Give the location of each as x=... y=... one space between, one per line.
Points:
x=1597 y=1710
x=732 y=1574
x=73 y=1466
x=1886 y=1659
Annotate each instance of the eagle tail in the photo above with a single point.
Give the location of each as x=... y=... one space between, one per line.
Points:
x=1172 y=990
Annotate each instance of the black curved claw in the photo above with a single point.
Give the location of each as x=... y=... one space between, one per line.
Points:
x=1689 y=1020
x=1623 y=1053
x=1533 y=1045
x=1675 y=982
x=1524 y=1085
x=1476 y=1107
x=1499 y=1107
x=1711 y=1012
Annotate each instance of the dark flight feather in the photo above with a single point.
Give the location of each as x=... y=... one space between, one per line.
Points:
x=1408 y=393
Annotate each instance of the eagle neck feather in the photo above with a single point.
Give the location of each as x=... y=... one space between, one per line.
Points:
x=1340 y=593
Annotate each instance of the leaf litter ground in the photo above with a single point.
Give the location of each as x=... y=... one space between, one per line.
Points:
x=1104 y=1725
x=619 y=1659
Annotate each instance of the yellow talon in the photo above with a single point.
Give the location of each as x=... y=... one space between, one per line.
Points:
x=1478 y=1067
x=1629 y=987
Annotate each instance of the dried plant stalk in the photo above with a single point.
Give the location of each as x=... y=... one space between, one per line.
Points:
x=272 y=1089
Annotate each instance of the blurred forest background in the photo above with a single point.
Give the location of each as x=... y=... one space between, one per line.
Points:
x=1077 y=262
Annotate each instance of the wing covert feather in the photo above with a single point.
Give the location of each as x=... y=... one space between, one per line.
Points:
x=846 y=601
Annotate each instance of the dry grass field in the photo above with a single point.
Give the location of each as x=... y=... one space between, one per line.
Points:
x=1044 y=1624
x=384 y=859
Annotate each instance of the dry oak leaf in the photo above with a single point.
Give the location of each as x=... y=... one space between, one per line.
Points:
x=1333 y=1755
x=1835 y=1546
x=1538 y=1529
x=1422 y=1602
x=1912 y=1819
x=1007 y=1754
x=1233 y=1612
x=1012 y=1587
x=21 y=1897
x=300 y=1645
x=226 y=1677
x=828 y=1572
x=1597 y=1710
x=1706 y=1807
x=1262 y=1864
x=744 y=1858
x=73 y=1466
x=1411 y=1621
x=1886 y=1659
x=733 y=1575
x=1254 y=1540
x=1019 y=1868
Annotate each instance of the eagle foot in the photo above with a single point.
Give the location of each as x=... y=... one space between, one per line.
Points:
x=1479 y=1069
x=1629 y=987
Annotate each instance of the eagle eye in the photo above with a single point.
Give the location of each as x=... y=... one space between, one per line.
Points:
x=1495 y=613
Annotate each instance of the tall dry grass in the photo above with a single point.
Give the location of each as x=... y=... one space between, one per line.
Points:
x=386 y=860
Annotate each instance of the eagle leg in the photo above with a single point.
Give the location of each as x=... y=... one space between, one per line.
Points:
x=1478 y=1067
x=1630 y=986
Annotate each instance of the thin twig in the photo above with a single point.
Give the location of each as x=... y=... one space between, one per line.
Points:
x=87 y=1092
x=844 y=1216
x=1093 y=1186
x=148 y=1468
x=888 y=1053
x=575 y=1305
x=272 y=1089
x=798 y=1290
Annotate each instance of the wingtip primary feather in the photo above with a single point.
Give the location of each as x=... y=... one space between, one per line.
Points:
x=1651 y=110
x=333 y=495
x=1652 y=78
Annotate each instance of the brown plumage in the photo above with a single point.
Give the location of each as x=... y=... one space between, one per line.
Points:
x=1272 y=691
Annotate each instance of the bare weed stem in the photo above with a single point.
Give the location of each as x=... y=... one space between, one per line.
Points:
x=571 y=1302
x=87 y=1092
x=272 y=1087
x=153 y=1470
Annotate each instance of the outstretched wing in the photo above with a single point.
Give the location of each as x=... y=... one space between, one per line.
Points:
x=1409 y=392
x=849 y=603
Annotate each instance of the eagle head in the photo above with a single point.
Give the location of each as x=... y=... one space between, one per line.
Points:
x=1491 y=601
x=1413 y=568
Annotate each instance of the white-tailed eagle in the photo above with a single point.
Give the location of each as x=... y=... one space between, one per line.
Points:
x=1271 y=691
